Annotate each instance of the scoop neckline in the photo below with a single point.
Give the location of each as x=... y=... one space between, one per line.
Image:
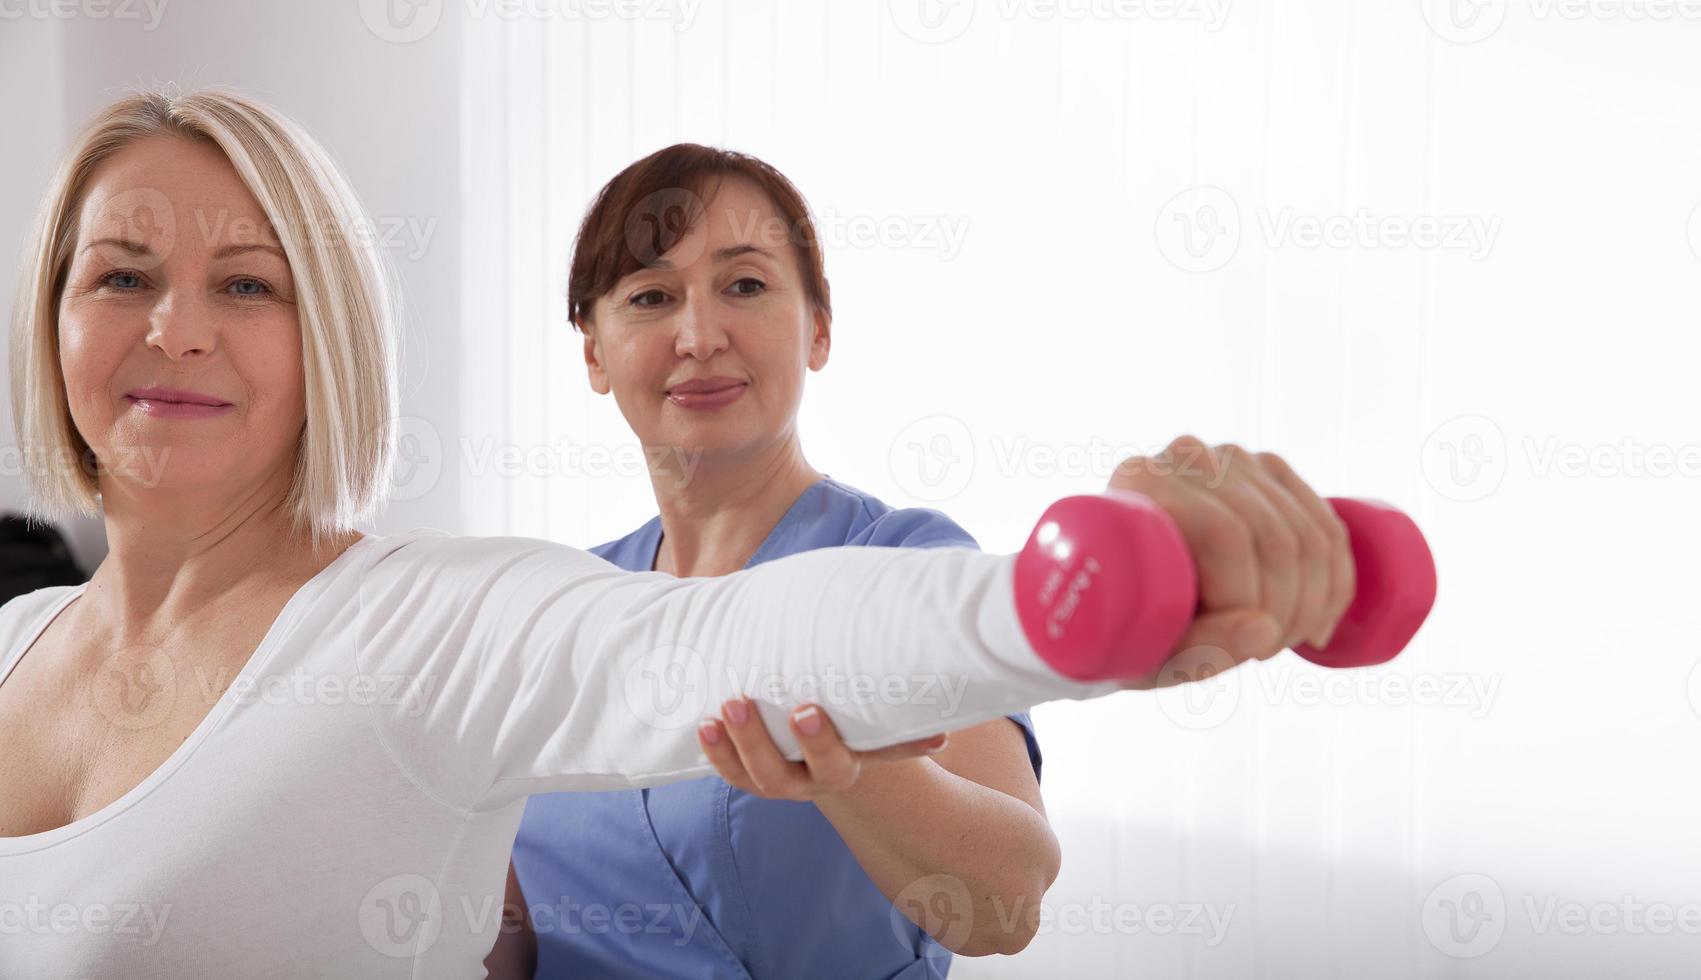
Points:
x=263 y=651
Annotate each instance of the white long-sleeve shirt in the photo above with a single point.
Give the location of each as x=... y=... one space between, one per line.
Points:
x=347 y=808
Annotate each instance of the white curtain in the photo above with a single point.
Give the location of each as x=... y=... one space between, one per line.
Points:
x=1442 y=254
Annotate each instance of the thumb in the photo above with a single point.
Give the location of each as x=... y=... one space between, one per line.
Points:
x=1216 y=643
x=908 y=750
x=1245 y=634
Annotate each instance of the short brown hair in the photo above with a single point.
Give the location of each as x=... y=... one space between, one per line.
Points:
x=652 y=204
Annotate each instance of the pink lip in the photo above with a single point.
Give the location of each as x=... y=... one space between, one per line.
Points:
x=177 y=403
x=706 y=394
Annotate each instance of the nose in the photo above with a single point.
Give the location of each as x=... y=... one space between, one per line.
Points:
x=181 y=328
x=698 y=330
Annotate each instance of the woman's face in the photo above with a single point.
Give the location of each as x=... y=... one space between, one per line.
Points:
x=706 y=351
x=178 y=335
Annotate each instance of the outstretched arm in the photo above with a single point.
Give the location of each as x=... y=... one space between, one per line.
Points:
x=542 y=668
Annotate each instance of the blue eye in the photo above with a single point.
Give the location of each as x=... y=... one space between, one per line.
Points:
x=250 y=287
x=121 y=279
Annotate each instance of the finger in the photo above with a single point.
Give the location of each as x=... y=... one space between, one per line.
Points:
x=1343 y=574
x=773 y=773
x=1236 y=634
x=832 y=766
x=1249 y=492
x=910 y=750
x=1221 y=543
x=1312 y=573
x=719 y=750
x=1206 y=652
x=1189 y=458
x=1184 y=457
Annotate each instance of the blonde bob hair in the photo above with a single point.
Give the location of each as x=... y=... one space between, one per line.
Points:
x=344 y=301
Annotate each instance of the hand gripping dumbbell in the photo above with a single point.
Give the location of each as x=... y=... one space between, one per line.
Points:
x=1106 y=587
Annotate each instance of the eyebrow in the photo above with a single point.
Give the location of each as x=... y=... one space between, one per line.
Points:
x=138 y=248
x=134 y=248
x=720 y=255
x=230 y=250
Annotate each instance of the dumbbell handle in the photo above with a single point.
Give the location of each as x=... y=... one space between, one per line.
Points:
x=1106 y=586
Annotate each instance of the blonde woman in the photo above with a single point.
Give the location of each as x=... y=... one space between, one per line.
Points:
x=259 y=742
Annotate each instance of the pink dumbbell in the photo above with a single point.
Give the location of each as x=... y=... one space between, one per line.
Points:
x=1106 y=587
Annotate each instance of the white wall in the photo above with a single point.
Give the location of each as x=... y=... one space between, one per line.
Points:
x=31 y=61
x=25 y=166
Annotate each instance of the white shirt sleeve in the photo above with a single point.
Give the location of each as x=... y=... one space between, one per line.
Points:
x=530 y=667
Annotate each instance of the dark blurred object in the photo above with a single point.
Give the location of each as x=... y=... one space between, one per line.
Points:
x=33 y=556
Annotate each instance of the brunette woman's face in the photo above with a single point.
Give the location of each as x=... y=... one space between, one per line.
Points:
x=705 y=351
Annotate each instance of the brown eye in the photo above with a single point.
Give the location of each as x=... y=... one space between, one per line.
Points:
x=748 y=286
x=648 y=299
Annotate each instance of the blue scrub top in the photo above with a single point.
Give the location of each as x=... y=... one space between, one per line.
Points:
x=697 y=879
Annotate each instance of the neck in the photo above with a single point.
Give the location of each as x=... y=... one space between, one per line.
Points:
x=172 y=553
x=713 y=522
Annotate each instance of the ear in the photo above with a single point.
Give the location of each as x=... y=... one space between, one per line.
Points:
x=822 y=343
x=593 y=361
